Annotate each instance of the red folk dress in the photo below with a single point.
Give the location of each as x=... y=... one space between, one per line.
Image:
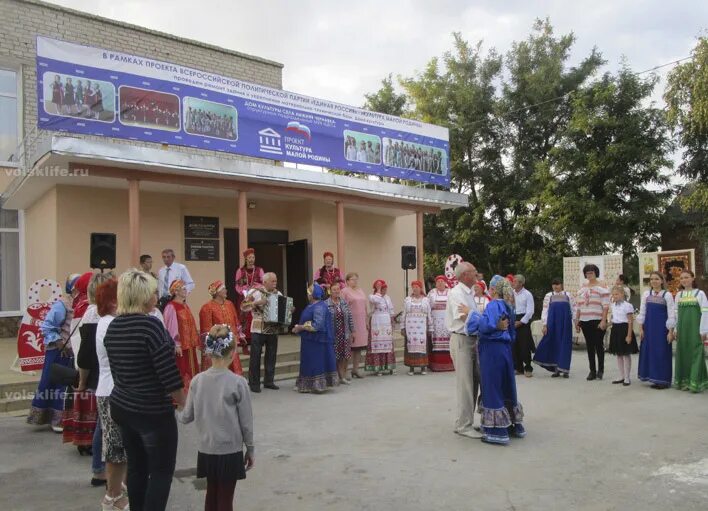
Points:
x=183 y=330
x=215 y=313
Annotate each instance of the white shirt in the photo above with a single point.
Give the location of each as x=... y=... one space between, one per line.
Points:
x=156 y=313
x=105 y=378
x=454 y=319
x=620 y=311
x=524 y=305
x=168 y=275
x=670 y=308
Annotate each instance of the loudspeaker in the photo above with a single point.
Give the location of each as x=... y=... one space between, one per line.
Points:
x=408 y=257
x=103 y=250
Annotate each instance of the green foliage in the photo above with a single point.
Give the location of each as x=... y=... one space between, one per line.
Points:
x=556 y=161
x=687 y=110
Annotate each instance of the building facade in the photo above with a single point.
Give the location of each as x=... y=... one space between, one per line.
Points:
x=57 y=188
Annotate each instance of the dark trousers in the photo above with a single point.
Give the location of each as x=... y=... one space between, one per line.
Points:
x=219 y=495
x=270 y=341
x=150 y=443
x=594 y=343
x=521 y=349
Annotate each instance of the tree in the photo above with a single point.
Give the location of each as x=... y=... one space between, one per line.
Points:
x=608 y=190
x=686 y=97
x=386 y=100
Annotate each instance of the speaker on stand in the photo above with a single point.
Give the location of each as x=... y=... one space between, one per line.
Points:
x=102 y=254
x=408 y=262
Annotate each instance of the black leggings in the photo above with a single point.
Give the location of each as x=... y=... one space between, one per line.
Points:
x=594 y=343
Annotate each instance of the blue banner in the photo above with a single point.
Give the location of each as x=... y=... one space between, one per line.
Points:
x=92 y=91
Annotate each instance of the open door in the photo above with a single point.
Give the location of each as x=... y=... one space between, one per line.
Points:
x=297 y=257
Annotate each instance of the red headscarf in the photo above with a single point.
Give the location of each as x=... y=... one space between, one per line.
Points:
x=417 y=283
x=482 y=286
x=80 y=303
x=510 y=278
x=382 y=282
x=441 y=277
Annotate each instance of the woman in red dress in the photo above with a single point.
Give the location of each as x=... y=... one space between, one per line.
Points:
x=328 y=274
x=247 y=277
x=181 y=326
x=220 y=311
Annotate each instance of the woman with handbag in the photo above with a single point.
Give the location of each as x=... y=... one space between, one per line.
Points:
x=48 y=403
x=79 y=418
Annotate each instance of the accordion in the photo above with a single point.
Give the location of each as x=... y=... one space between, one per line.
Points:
x=278 y=309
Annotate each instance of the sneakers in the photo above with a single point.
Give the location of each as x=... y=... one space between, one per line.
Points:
x=424 y=371
x=410 y=372
x=58 y=429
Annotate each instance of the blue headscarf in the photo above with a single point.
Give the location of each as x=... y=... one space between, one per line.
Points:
x=502 y=287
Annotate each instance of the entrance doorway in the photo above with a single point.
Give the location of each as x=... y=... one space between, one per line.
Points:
x=289 y=260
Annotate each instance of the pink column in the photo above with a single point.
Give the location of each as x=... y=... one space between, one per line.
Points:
x=419 y=244
x=242 y=226
x=134 y=220
x=341 y=260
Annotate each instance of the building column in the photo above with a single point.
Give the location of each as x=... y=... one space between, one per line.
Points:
x=341 y=260
x=134 y=220
x=242 y=226
x=419 y=244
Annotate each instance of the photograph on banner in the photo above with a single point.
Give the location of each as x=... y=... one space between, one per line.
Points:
x=210 y=119
x=75 y=96
x=148 y=108
x=412 y=156
x=362 y=147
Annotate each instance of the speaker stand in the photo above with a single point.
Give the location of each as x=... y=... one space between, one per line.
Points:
x=405 y=291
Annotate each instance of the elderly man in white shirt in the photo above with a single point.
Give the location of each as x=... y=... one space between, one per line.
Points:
x=171 y=272
x=463 y=349
x=524 y=345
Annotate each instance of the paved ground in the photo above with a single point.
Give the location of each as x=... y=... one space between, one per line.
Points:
x=387 y=443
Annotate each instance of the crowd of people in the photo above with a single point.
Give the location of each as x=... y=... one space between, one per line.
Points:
x=140 y=353
x=79 y=100
x=412 y=156
x=211 y=124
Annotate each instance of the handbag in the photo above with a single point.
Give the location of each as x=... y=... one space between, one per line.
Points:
x=61 y=375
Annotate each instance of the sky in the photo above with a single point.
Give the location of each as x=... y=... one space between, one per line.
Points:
x=340 y=51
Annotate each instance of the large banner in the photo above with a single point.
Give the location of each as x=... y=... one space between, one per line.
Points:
x=93 y=91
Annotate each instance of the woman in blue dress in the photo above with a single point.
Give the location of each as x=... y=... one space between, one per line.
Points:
x=318 y=365
x=502 y=414
x=556 y=346
x=657 y=317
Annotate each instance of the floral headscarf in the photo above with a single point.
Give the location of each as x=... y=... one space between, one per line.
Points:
x=503 y=288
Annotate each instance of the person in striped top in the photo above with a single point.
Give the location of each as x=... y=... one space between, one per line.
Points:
x=146 y=380
x=593 y=303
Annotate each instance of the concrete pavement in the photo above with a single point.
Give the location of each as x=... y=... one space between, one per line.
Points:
x=387 y=443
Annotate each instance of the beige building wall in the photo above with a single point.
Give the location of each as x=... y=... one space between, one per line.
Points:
x=42 y=240
x=59 y=224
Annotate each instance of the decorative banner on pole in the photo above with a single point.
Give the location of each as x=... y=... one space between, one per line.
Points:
x=93 y=91
x=30 y=342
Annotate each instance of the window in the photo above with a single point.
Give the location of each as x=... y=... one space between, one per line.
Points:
x=10 y=270
x=9 y=114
